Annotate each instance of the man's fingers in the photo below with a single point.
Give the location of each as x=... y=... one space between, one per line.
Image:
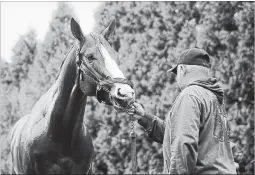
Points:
x=135 y=105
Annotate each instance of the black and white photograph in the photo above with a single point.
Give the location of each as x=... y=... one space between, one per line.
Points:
x=127 y=87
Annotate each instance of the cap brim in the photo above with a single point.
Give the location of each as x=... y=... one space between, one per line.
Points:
x=173 y=69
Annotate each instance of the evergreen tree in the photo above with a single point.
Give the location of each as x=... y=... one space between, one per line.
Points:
x=13 y=77
x=23 y=56
x=24 y=53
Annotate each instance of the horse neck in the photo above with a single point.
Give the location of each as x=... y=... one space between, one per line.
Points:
x=73 y=119
x=68 y=105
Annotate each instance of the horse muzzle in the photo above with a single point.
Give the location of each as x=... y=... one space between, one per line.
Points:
x=122 y=96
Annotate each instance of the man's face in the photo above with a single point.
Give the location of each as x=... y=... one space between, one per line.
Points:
x=180 y=76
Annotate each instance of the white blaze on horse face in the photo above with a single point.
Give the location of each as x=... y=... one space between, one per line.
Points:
x=122 y=90
x=110 y=64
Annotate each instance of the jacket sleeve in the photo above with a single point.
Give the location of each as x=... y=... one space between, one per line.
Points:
x=154 y=126
x=184 y=128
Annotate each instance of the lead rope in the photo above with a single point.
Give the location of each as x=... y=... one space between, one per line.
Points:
x=133 y=146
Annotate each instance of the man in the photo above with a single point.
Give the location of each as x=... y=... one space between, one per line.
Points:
x=195 y=133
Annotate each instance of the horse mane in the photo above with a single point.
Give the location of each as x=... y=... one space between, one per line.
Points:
x=64 y=61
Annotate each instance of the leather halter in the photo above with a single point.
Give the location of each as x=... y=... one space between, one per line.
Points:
x=103 y=82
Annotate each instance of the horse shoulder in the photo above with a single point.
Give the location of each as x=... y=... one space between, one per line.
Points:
x=42 y=105
x=28 y=130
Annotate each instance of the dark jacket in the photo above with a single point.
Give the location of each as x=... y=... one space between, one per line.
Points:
x=195 y=133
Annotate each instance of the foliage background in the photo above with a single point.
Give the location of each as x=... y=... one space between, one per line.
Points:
x=149 y=36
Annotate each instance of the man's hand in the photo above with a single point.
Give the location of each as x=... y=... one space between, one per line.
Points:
x=137 y=110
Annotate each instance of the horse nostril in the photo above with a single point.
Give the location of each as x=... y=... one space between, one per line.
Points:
x=119 y=93
x=125 y=94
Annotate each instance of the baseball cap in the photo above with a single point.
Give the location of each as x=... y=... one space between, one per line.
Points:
x=193 y=56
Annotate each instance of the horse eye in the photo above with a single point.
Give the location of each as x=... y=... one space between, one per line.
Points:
x=90 y=58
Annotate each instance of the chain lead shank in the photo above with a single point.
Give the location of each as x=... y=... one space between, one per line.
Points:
x=133 y=146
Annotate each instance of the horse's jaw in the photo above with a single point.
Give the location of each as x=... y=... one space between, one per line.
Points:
x=87 y=85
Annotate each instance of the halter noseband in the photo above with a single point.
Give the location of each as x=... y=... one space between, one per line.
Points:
x=103 y=82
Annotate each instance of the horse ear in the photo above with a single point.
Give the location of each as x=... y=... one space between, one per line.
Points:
x=109 y=30
x=76 y=30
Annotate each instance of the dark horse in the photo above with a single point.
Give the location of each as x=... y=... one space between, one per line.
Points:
x=53 y=137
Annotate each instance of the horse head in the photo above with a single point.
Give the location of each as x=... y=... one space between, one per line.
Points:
x=99 y=74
